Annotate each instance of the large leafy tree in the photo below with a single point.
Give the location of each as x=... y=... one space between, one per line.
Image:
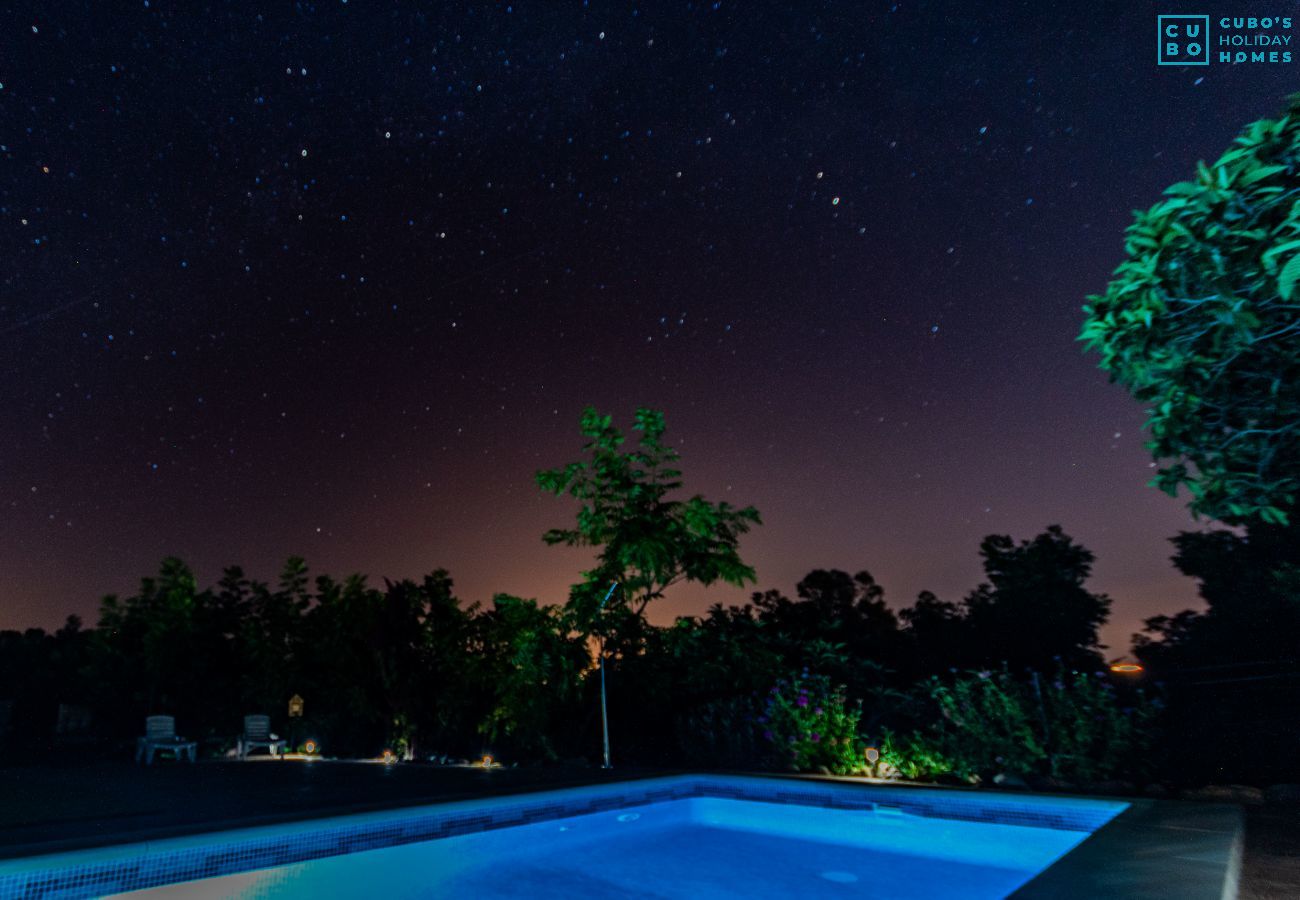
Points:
x=1251 y=586
x=1035 y=608
x=647 y=539
x=532 y=665
x=1202 y=322
x=839 y=626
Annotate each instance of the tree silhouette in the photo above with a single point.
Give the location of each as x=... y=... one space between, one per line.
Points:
x=1034 y=609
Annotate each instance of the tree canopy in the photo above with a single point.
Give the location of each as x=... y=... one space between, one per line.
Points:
x=1201 y=322
x=647 y=539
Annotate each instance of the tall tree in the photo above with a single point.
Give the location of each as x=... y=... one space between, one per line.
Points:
x=937 y=633
x=839 y=626
x=1202 y=323
x=647 y=540
x=533 y=666
x=1251 y=585
x=1034 y=608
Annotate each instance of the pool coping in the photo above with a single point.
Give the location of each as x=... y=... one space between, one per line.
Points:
x=1144 y=850
x=1153 y=850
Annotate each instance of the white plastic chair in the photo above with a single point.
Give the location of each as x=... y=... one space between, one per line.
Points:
x=160 y=734
x=257 y=733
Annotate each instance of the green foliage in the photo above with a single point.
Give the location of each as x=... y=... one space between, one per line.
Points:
x=913 y=756
x=647 y=540
x=1075 y=727
x=985 y=724
x=839 y=626
x=533 y=665
x=810 y=726
x=1200 y=322
x=1091 y=734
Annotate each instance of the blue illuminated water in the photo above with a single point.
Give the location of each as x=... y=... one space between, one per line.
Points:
x=697 y=848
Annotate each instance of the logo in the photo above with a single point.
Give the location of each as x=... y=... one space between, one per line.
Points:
x=1183 y=41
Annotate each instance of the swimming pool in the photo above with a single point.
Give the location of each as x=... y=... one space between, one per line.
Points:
x=684 y=836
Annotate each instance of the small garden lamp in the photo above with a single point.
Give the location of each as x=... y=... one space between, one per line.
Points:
x=604 y=718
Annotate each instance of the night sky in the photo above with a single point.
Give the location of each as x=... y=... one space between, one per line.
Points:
x=334 y=281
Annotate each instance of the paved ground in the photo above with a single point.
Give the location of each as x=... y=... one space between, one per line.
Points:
x=1272 y=865
x=49 y=808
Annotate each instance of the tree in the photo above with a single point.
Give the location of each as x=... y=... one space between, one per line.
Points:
x=647 y=540
x=938 y=635
x=533 y=666
x=1201 y=322
x=839 y=626
x=1251 y=585
x=1034 y=608
x=167 y=649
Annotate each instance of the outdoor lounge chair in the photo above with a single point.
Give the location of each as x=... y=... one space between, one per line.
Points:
x=257 y=733
x=160 y=734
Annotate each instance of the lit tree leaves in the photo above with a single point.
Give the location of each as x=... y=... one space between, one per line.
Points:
x=1201 y=323
x=648 y=540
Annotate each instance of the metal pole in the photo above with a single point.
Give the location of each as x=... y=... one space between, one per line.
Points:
x=604 y=717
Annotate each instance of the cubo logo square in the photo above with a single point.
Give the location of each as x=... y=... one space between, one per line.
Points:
x=1183 y=41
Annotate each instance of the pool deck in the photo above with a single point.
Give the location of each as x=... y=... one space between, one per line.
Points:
x=50 y=809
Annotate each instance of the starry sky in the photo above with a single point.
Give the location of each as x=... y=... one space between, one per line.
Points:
x=334 y=279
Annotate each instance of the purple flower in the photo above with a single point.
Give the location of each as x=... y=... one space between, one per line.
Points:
x=803 y=700
x=817 y=711
x=767 y=735
x=816 y=738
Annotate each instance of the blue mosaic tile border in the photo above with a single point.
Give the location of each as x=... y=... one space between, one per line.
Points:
x=139 y=866
x=1065 y=814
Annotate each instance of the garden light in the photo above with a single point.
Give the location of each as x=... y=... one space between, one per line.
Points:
x=1126 y=668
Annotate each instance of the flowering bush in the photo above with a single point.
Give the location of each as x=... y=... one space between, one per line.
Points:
x=1072 y=727
x=986 y=726
x=1091 y=734
x=809 y=726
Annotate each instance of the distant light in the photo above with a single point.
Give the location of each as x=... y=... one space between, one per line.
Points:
x=310 y=747
x=486 y=762
x=873 y=755
x=389 y=758
x=1126 y=668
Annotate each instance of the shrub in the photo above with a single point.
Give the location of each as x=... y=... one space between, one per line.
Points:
x=1092 y=734
x=809 y=726
x=721 y=732
x=1074 y=727
x=914 y=756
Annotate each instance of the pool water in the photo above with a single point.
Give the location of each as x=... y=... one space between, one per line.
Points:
x=700 y=847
